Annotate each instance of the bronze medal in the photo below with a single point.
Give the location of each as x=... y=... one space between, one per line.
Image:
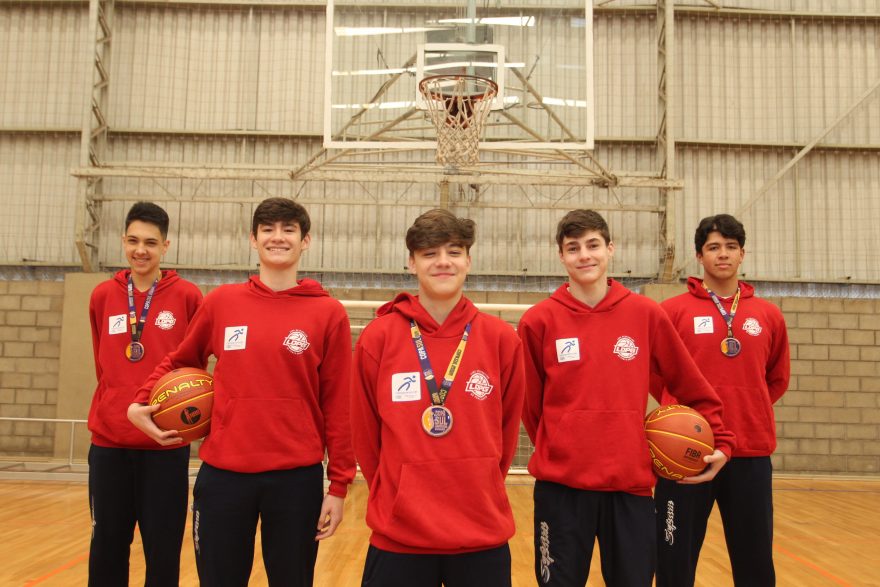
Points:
x=730 y=347
x=134 y=351
x=437 y=420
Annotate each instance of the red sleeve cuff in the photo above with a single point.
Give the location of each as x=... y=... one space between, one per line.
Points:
x=338 y=489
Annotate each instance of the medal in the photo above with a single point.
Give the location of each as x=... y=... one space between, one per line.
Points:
x=730 y=347
x=437 y=420
x=134 y=351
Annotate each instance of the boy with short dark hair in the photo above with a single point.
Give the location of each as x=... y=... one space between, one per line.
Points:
x=283 y=350
x=137 y=317
x=740 y=343
x=435 y=448
x=590 y=350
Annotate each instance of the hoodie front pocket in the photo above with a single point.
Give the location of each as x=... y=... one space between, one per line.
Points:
x=602 y=449
x=446 y=505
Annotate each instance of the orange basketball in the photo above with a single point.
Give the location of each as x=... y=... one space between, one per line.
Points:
x=186 y=397
x=678 y=438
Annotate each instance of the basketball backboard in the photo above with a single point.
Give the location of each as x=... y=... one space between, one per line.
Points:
x=538 y=52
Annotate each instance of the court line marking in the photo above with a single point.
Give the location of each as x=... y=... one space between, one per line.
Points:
x=810 y=565
x=71 y=563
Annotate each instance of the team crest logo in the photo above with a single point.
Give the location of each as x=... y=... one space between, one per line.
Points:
x=296 y=342
x=626 y=348
x=752 y=327
x=478 y=385
x=165 y=320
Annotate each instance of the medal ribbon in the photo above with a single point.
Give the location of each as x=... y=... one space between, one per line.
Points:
x=438 y=396
x=728 y=316
x=137 y=324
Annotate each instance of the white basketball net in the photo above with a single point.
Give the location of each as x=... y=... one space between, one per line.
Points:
x=459 y=106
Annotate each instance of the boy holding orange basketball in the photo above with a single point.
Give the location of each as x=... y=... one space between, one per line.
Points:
x=740 y=344
x=435 y=442
x=281 y=382
x=137 y=317
x=590 y=350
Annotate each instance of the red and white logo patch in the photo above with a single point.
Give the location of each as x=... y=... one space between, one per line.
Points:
x=165 y=320
x=752 y=326
x=478 y=385
x=626 y=348
x=296 y=342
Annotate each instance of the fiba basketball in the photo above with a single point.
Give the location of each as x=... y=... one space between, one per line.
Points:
x=185 y=397
x=678 y=438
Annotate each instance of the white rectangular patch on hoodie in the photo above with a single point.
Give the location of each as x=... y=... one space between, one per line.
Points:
x=406 y=387
x=703 y=325
x=568 y=349
x=235 y=338
x=117 y=324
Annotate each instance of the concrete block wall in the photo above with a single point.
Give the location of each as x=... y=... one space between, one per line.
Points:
x=30 y=335
x=827 y=422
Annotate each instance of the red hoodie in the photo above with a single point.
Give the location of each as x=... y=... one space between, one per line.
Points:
x=280 y=382
x=748 y=384
x=436 y=495
x=588 y=373
x=175 y=300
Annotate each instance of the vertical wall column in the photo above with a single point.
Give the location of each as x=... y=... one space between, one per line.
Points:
x=665 y=137
x=93 y=144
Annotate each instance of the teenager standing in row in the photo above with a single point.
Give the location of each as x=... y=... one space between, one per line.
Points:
x=281 y=387
x=436 y=403
x=137 y=317
x=740 y=343
x=590 y=352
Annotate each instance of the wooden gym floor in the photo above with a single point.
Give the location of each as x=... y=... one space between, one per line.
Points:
x=827 y=533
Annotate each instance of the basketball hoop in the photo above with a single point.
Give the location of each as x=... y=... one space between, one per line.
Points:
x=459 y=106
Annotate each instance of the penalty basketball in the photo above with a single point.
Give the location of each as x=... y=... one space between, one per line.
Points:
x=185 y=397
x=678 y=438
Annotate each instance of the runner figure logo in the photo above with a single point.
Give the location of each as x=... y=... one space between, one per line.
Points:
x=296 y=342
x=235 y=338
x=567 y=349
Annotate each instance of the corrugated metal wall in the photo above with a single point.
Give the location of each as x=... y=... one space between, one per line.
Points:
x=42 y=64
x=213 y=85
x=195 y=69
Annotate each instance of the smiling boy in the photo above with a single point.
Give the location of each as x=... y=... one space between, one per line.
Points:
x=590 y=350
x=137 y=317
x=435 y=442
x=283 y=350
x=740 y=343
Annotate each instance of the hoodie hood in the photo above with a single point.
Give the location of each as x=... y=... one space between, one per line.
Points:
x=304 y=287
x=408 y=306
x=616 y=294
x=169 y=276
x=695 y=287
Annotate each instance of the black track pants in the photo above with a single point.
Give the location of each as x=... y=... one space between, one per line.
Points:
x=744 y=492
x=149 y=488
x=568 y=522
x=226 y=509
